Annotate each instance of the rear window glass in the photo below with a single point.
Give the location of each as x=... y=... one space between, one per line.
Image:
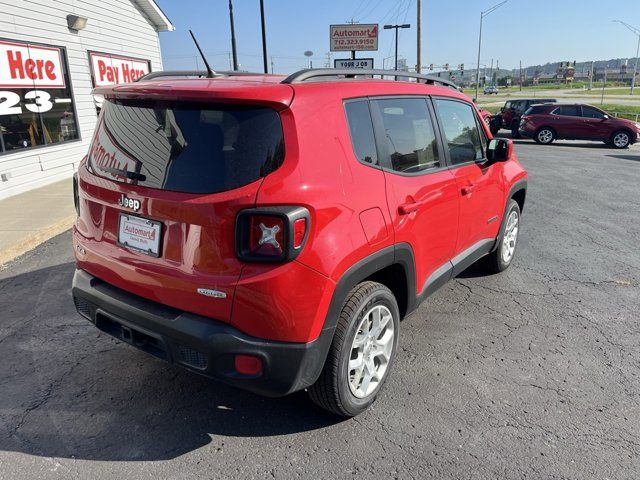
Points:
x=186 y=147
x=534 y=110
x=361 y=130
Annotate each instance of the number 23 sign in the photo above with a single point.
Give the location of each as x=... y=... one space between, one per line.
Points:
x=36 y=101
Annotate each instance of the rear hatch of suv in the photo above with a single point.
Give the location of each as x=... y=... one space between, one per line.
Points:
x=161 y=187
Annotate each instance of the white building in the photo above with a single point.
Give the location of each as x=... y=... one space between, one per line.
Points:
x=52 y=53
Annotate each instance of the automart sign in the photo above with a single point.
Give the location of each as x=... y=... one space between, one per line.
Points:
x=354 y=37
x=109 y=69
x=24 y=65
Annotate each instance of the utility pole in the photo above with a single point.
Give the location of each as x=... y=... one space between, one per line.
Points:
x=490 y=73
x=591 y=76
x=272 y=64
x=419 y=38
x=264 y=38
x=482 y=15
x=328 y=64
x=353 y=52
x=635 y=67
x=520 y=75
x=233 y=38
x=397 y=27
x=604 y=82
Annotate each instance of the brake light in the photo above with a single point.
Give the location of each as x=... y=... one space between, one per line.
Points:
x=271 y=234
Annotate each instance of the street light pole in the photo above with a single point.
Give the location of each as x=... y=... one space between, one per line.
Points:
x=482 y=15
x=396 y=27
x=635 y=67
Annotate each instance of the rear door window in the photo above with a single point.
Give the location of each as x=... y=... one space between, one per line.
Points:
x=461 y=130
x=567 y=111
x=361 y=130
x=409 y=136
x=186 y=147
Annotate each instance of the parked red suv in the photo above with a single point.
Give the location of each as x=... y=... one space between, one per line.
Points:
x=546 y=123
x=272 y=232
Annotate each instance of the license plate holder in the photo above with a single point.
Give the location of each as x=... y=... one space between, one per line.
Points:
x=139 y=234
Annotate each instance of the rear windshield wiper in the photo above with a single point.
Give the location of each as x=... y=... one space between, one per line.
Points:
x=124 y=173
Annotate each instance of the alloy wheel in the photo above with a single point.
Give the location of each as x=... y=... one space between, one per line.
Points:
x=545 y=136
x=371 y=351
x=510 y=237
x=621 y=140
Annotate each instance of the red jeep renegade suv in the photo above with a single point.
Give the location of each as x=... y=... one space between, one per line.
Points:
x=271 y=232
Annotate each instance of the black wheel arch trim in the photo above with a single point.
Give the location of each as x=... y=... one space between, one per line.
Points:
x=519 y=186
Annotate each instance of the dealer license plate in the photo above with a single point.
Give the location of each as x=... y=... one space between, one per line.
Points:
x=139 y=234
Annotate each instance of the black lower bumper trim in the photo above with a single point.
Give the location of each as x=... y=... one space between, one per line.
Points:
x=198 y=343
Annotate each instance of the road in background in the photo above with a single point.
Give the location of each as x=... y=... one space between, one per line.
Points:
x=532 y=373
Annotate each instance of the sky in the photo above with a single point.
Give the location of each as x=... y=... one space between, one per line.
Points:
x=531 y=31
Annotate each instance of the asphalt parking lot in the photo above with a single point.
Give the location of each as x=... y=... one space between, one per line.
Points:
x=533 y=373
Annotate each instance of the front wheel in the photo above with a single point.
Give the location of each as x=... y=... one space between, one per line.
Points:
x=620 y=139
x=362 y=351
x=500 y=259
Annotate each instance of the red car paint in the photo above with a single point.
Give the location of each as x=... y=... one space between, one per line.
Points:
x=355 y=210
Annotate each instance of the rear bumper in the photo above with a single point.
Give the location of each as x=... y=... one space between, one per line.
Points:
x=198 y=343
x=525 y=133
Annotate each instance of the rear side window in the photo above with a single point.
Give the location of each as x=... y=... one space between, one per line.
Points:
x=567 y=111
x=409 y=135
x=361 y=130
x=186 y=147
x=458 y=122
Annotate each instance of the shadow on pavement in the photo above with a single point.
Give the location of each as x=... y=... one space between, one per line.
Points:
x=67 y=390
x=635 y=158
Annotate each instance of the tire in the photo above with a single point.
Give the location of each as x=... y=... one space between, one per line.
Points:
x=336 y=390
x=494 y=126
x=620 y=139
x=497 y=261
x=544 y=136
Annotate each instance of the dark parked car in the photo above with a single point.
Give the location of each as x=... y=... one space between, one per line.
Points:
x=546 y=123
x=510 y=114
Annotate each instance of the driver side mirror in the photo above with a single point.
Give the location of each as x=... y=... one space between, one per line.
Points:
x=605 y=117
x=500 y=150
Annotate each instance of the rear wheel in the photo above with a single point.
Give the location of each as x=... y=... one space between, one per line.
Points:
x=362 y=351
x=544 y=136
x=500 y=259
x=620 y=139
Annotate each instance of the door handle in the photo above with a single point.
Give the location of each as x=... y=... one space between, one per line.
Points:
x=468 y=189
x=409 y=207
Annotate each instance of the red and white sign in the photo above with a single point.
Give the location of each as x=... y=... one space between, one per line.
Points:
x=24 y=65
x=354 y=37
x=107 y=157
x=113 y=69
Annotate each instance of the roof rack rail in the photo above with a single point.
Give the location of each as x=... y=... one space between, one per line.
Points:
x=308 y=74
x=192 y=73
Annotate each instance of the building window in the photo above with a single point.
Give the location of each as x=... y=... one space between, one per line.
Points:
x=36 y=102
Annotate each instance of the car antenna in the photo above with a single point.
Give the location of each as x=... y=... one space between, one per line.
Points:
x=210 y=72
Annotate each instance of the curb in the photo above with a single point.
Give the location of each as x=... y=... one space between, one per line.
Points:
x=32 y=241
